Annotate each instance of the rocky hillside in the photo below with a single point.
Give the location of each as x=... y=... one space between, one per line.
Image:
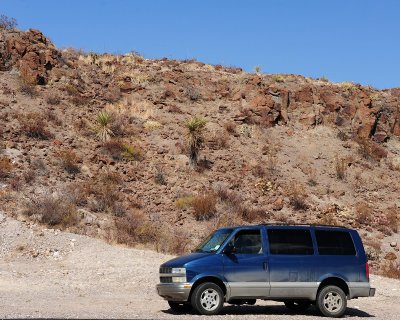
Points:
x=98 y=145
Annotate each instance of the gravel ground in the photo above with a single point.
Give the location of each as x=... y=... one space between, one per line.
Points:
x=46 y=273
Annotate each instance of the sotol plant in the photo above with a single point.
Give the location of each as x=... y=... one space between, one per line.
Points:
x=103 y=122
x=195 y=139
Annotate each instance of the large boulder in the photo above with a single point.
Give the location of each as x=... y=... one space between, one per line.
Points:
x=31 y=52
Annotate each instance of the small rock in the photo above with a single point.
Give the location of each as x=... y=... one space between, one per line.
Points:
x=390 y=256
x=393 y=244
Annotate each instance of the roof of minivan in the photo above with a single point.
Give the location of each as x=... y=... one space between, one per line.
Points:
x=289 y=225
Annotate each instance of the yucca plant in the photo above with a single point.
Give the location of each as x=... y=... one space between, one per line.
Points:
x=102 y=128
x=195 y=139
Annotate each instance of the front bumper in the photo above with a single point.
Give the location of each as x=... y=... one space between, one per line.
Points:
x=174 y=291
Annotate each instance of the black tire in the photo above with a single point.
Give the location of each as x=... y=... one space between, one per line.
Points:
x=297 y=305
x=180 y=307
x=332 y=301
x=207 y=298
x=251 y=302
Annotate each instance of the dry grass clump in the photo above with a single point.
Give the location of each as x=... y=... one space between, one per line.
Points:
x=364 y=213
x=183 y=202
x=391 y=270
x=53 y=99
x=52 y=211
x=192 y=93
x=219 y=140
x=119 y=150
x=340 y=168
x=204 y=206
x=159 y=177
x=33 y=126
x=297 y=197
x=230 y=127
x=69 y=161
x=5 y=167
x=27 y=89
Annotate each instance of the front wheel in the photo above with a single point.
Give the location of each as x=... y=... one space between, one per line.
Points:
x=179 y=306
x=207 y=298
x=331 y=301
x=297 y=306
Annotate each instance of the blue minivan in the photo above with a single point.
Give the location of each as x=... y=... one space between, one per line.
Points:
x=298 y=265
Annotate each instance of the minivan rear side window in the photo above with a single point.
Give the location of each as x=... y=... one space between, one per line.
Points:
x=290 y=241
x=335 y=243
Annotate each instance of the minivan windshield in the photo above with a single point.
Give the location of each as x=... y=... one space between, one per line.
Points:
x=214 y=241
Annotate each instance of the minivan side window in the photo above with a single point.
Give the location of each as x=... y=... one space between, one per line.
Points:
x=290 y=241
x=335 y=243
x=248 y=242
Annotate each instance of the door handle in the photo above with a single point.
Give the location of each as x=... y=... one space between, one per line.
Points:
x=265 y=265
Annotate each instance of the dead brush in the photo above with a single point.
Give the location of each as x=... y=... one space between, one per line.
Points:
x=297 y=197
x=52 y=211
x=364 y=214
x=340 y=168
x=6 y=167
x=230 y=127
x=173 y=242
x=204 y=206
x=391 y=270
x=27 y=89
x=33 y=126
x=133 y=228
x=69 y=161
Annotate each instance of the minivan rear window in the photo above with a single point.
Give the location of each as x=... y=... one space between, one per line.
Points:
x=335 y=243
x=290 y=241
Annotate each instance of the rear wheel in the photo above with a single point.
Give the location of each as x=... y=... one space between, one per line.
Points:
x=180 y=306
x=297 y=306
x=331 y=301
x=207 y=298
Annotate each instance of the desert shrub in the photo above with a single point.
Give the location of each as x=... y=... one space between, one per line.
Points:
x=159 y=177
x=230 y=127
x=40 y=167
x=33 y=125
x=219 y=141
x=29 y=176
x=114 y=148
x=391 y=270
x=297 y=197
x=340 y=168
x=176 y=242
x=5 y=167
x=184 y=202
x=370 y=150
x=192 y=93
x=51 y=210
x=53 y=99
x=195 y=129
x=133 y=228
x=364 y=213
x=102 y=127
x=259 y=170
x=278 y=78
x=132 y=153
x=391 y=219
x=342 y=136
x=52 y=117
x=16 y=183
x=204 y=206
x=27 y=89
x=7 y=22
x=323 y=79
x=119 y=125
x=69 y=161
x=250 y=214
x=106 y=198
x=151 y=125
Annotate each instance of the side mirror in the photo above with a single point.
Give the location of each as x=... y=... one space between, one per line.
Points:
x=229 y=249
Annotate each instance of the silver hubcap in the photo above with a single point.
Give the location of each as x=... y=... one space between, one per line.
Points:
x=333 y=302
x=209 y=299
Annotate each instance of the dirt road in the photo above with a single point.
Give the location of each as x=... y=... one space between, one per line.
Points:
x=47 y=273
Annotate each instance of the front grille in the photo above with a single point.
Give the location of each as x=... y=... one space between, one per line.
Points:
x=165 y=270
x=166 y=279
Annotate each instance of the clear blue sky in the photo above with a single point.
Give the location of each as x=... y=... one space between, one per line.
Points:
x=344 y=40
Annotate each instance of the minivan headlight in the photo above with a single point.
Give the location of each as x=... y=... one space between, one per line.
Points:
x=179 y=270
